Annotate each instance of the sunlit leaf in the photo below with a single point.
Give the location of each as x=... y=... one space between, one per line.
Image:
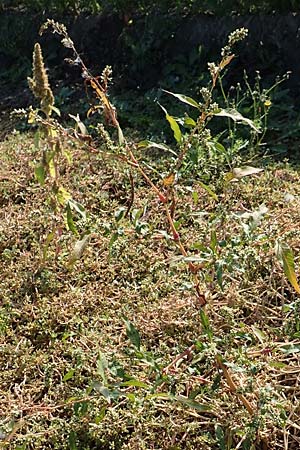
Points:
x=51 y=167
x=286 y=257
x=226 y=61
x=209 y=191
x=191 y=403
x=184 y=99
x=93 y=109
x=79 y=123
x=237 y=117
x=31 y=117
x=39 y=172
x=135 y=383
x=120 y=136
x=69 y=220
x=78 y=207
x=101 y=367
x=259 y=334
x=69 y=375
x=174 y=125
x=56 y=110
x=181 y=399
x=63 y=196
x=289 y=349
x=79 y=249
x=108 y=394
x=240 y=172
x=189 y=122
x=149 y=144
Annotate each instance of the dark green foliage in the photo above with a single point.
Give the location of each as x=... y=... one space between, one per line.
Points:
x=219 y=7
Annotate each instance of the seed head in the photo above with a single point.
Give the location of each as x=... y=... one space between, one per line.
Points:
x=39 y=83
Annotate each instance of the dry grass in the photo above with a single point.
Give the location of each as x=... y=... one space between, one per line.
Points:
x=61 y=329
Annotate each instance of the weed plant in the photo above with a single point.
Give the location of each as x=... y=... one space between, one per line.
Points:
x=157 y=315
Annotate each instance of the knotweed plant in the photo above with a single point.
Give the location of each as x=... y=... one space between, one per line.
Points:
x=196 y=132
x=126 y=151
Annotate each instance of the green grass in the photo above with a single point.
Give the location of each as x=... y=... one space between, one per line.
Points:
x=115 y=352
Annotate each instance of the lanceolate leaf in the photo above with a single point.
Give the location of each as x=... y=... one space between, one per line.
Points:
x=120 y=136
x=69 y=220
x=209 y=191
x=79 y=248
x=241 y=172
x=39 y=172
x=286 y=257
x=174 y=125
x=77 y=207
x=150 y=144
x=132 y=334
x=184 y=99
x=237 y=117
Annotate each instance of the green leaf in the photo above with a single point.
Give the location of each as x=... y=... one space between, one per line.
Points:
x=112 y=240
x=68 y=155
x=191 y=403
x=101 y=367
x=286 y=257
x=135 y=383
x=220 y=437
x=236 y=117
x=213 y=240
x=78 y=208
x=40 y=174
x=189 y=122
x=181 y=399
x=69 y=375
x=259 y=334
x=109 y=395
x=219 y=274
x=63 y=196
x=101 y=415
x=209 y=191
x=120 y=213
x=49 y=239
x=205 y=324
x=195 y=197
x=289 y=349
x=162 y=395
x=184 y=99
x=69 y=220
x=174 y=125
x=132 y=334
x=37 y=140
x=72 y=440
